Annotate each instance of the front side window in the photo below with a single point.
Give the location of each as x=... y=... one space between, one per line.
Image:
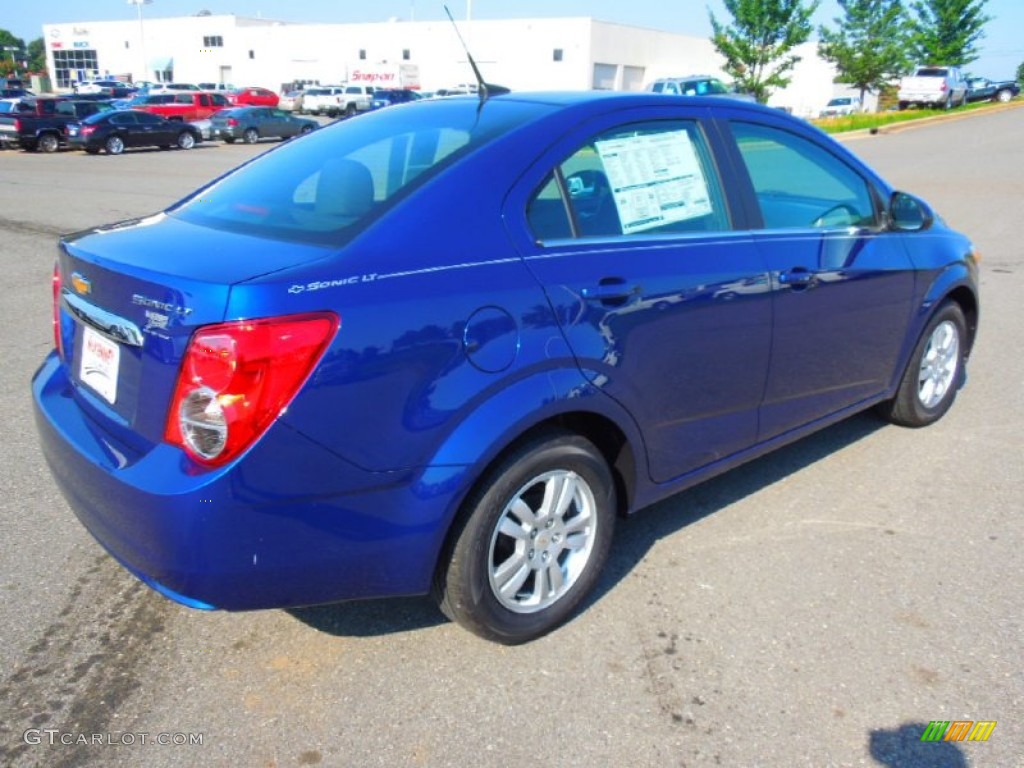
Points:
x=643 y=178
x=800 y=184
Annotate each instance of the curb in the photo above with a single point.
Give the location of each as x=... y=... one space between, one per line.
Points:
x=925 y=121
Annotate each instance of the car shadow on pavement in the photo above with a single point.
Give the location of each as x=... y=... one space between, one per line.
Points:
x=633 y=538
x=371 y=618
x=635 y=535
x=903 y=748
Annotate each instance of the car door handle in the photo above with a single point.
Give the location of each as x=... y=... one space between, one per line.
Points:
x=611 y=291
x=798 y=277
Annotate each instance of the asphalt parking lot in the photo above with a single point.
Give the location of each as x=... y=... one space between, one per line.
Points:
x=818 y=607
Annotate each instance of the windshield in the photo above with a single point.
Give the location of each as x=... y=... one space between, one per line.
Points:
x=328 y=185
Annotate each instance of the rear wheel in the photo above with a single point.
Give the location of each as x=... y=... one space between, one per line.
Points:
x=114 y=145
x=48 y=142
x=531 y=541
x=934 y=374
x=350 y=110
x=306 y=129
x=251 y=136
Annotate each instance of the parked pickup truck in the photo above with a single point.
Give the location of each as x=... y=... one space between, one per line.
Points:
x=983 y=89
x=184 y=105
x=41 y=123
x=937 y=87
x=334 y=100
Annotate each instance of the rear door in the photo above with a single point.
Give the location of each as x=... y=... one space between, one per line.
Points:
x=627 y=224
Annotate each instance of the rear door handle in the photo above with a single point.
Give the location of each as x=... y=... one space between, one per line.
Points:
x=612 y=291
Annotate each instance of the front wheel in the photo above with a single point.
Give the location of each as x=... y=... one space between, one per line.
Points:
x=934 y=374
x=1004 y=96
x=114 y=145
x=251 y=136
x=186 y=140
x=530 y=542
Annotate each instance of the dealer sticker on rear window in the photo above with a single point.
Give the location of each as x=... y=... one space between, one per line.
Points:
x=656 y=178
x=100 y=360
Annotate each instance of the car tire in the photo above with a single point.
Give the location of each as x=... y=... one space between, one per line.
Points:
x=935 y=372
x=114 y=145
x=530 y=541
x=1004 y=95
x=186 y=140
x=48 y=143
x=251 y=136
x=350 y=110
x=306 y=129
x=948 y=104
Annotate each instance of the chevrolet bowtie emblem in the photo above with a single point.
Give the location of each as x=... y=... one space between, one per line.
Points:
x=80 y=284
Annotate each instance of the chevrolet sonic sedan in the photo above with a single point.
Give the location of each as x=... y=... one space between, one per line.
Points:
x=441 y=348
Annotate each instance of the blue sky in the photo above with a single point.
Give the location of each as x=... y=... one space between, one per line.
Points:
x=1002 y=48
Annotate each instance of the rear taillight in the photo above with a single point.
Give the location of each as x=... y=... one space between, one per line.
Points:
x=56 y=311
x=17 y=125
x=87 y=129
x=238 y=377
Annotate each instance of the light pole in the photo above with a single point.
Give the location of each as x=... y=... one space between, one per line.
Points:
x=142 y=34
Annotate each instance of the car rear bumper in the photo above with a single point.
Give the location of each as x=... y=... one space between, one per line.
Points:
x=288 y=524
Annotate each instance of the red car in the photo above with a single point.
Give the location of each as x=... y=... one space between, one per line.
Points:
x=255 y=97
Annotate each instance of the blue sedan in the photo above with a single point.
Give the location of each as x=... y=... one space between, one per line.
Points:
x=440 y=349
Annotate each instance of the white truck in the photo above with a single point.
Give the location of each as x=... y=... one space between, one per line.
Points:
x=937 y=87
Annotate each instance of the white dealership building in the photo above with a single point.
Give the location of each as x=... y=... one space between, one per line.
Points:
x=523 y=54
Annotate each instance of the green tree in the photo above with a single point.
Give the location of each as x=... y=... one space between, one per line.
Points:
x=947 y=31
x=37 y=55
x=869 y=45
x=7 y=39
x=758 y=45
x=1020 y=74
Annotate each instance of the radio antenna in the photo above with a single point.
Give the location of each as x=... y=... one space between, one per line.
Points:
x=484 y=90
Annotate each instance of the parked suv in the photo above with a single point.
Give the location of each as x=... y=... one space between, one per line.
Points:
x=696 y=85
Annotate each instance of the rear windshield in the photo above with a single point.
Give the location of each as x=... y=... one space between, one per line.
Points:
x=933 y=72
x=328 y=185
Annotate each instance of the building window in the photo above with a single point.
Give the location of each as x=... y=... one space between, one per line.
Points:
x=556 y=55
x=362 y=54
x=213 y=41
x=71 y=66
x=405 y=54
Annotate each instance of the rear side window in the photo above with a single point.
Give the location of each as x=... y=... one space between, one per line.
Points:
x=642 y=178
x=326 y=187
x=799 y=184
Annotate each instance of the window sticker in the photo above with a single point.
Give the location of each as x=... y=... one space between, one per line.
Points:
x=656 y=179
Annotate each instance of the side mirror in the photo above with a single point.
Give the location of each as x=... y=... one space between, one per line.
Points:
x=908 y=213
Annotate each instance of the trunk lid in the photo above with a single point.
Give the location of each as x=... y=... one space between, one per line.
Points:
x=131 y=296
